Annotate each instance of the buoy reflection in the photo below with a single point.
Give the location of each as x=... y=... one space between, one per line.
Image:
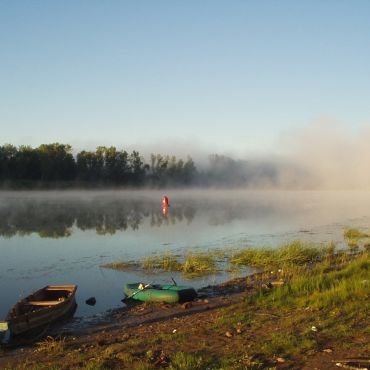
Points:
x=165 y=211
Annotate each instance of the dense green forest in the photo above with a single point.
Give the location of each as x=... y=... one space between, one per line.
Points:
x=52 y=164
x=57 y=166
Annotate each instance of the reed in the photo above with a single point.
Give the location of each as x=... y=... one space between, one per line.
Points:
x=199 y=264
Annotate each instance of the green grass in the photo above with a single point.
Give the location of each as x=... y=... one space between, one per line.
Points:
x=51 y=345
x=287 y=344
x=191 y=265
x=295 y=253
x=288 y=260
x=120 y=265
x=198 y=264
x=166 y=262
x=96 y=366
x=352 y=233
x=320 y=289
x=186 y=361
x=356 y=239
x=329 y=291
x=335 y=301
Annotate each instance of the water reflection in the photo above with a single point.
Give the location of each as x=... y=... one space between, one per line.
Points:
x=62 y=242
x=56 y=218
x=59 y=215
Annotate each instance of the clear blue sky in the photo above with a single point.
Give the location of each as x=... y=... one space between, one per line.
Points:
x=230 y=75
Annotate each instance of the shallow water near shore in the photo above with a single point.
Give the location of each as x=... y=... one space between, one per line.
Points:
x=64 y=237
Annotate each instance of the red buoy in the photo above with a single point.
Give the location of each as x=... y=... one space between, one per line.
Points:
x=165 y=201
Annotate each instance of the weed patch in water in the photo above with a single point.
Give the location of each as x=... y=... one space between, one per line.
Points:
x=121 y=265
x=167 y=262
x=191 y=265
x=352 y=233
x=199 y=264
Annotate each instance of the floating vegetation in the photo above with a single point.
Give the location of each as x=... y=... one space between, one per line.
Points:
x=192 y=264
x=167 y=262
x=356 y=238
x=287 y=259
x=121 y=265
x=199 y=264
x=352 y=233
x=195 y=264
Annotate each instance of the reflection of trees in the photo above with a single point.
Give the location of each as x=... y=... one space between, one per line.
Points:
x=55 y=218
x=47 y=219
x=175 y=215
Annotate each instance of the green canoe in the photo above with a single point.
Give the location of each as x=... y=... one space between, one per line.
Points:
x=159 y=293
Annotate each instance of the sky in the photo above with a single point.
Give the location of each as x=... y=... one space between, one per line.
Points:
x=217 y=76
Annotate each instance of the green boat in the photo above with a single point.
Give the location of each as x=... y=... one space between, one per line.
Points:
x=159 y=293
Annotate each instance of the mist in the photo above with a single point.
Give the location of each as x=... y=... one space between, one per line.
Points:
x=333 y=156
x=323 y=155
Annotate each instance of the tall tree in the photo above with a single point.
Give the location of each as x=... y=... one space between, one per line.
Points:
x=57 y=162
x=8 y=154
x=27 y=164
x=138 y=168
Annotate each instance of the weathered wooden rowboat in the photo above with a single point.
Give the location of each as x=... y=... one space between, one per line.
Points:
x=37 y=310
x=159 y=293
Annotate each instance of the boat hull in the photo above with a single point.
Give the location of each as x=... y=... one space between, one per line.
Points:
x=41 y=308
x=161 y=293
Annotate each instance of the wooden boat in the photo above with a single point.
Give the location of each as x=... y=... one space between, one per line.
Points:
x=38 y=309
x=159 y=293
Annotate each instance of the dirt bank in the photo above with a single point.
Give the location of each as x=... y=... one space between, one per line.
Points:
x=187 y=336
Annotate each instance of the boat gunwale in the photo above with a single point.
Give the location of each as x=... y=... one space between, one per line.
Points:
x=45 y=310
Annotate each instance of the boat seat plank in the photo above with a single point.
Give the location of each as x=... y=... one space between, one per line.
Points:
x=44 y=303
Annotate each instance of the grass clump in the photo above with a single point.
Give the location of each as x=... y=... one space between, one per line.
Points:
x=51 y=345
x=352 y=233
x=186 y=361
x=318 y=289
x=356 y=238
x=120 y=265
x=96 y=366
x=199 y=264
x=295 y=253
x=167 y=262
x=287 y=344
x=193 y=264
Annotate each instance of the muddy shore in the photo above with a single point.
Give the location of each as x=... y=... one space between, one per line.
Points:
x=129 y=334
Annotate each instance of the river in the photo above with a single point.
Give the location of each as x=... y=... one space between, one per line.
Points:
x=49 y=237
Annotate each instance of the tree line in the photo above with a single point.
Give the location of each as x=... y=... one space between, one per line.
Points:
x=50 y=164
x=55 y=165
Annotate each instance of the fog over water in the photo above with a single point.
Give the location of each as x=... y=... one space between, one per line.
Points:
x=321 y=155
x=64 y=237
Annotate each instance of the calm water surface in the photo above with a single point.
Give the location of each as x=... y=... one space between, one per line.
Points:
x=64 y=237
